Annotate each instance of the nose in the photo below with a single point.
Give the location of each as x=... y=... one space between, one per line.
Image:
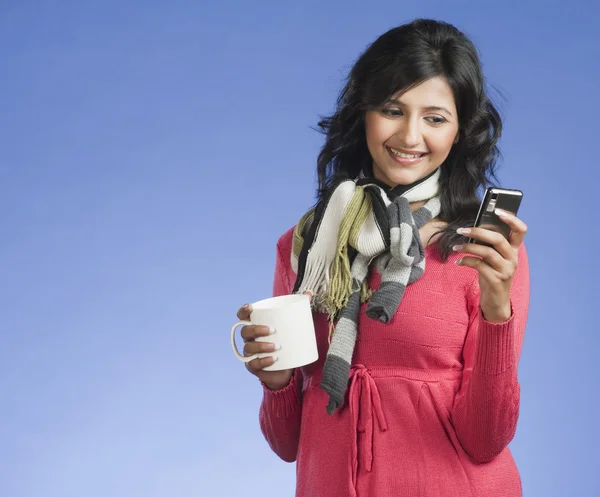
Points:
x=410 y=133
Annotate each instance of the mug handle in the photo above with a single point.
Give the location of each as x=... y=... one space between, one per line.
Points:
x=241 y=357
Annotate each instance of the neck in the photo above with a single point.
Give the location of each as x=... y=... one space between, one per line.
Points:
x=396 y=190
x=415 y=206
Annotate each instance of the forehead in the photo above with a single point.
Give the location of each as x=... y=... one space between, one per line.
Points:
x=432 y=92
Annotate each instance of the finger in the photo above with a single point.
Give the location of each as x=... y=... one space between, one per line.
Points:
x=490 y=237
x=488 y=254
x=518 y=227
x=244 y=312
x=253 y=331
x=257 y=365
x=478 y=264
x=252 y=348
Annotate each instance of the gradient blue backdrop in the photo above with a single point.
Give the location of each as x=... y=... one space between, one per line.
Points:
x=151 y=153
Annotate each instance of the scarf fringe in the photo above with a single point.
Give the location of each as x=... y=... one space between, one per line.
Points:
x=340 y=282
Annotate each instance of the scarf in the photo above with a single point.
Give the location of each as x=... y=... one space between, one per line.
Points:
x=333 y=247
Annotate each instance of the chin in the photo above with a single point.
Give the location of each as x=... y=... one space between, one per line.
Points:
x=395 y=178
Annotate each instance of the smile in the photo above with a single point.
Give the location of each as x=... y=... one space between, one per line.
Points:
x=406 y=156
x=405 y=159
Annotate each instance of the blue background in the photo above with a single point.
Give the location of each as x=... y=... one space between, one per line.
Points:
x=151 y=153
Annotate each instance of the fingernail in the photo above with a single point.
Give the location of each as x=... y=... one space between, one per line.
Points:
x=458 y=248
x=270 y=347
x=458 y=262
x=271 y=330
x=463 y=231
x=501 y=213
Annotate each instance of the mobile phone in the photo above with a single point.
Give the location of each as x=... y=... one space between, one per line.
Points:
x=497 y=198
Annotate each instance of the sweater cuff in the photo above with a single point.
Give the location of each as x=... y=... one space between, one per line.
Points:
x=496 y=348
x=284 y=402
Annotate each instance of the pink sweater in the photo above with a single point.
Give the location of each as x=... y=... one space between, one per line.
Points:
x=432 y=401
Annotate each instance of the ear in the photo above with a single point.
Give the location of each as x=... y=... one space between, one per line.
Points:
x=457 y=137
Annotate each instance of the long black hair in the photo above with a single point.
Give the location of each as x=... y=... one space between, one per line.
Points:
x=397 y=61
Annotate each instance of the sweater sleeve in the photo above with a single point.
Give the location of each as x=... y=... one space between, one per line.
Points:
x=486 y=407
x=280 y=410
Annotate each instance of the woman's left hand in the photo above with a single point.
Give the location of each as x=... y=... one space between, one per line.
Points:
x=496 y=264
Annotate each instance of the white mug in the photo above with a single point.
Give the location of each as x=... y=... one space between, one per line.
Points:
x=294 y=331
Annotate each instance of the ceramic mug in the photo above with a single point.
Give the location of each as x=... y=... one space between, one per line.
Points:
x=293 y=331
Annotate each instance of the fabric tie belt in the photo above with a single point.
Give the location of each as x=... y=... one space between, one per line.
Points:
x=365 y=410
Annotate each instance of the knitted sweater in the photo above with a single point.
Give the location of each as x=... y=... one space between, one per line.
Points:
x=432 y=400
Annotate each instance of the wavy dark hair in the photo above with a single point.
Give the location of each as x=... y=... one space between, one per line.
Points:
x=397 y=61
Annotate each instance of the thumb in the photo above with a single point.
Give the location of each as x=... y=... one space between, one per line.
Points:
x=244 y=312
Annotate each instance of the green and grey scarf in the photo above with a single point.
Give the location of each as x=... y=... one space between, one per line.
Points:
x=333 y=247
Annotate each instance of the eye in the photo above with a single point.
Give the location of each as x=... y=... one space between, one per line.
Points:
x=391 y=112
x=436 y=119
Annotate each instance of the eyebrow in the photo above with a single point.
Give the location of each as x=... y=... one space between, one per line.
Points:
x=428 y=108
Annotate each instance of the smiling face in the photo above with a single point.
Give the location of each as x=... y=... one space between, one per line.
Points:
x=411 y=135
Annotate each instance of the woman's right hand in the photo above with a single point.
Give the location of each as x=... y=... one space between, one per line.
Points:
x=274 y=380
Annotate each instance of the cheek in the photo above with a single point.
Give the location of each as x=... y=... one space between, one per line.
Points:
x=442 y=144
x=378 y=130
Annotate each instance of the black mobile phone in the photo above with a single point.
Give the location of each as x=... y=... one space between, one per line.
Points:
x=497 y=198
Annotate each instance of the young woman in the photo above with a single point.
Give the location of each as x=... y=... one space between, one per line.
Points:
x=419 y=332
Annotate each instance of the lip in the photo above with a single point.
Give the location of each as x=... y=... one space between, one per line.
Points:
x=408 y=152
x=406 y=162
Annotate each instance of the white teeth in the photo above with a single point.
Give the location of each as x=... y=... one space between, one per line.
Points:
x=405 y=156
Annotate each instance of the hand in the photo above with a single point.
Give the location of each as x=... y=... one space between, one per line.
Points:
x=496 y=264
x=274 y=380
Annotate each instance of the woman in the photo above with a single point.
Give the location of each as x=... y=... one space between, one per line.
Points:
x=419 y=332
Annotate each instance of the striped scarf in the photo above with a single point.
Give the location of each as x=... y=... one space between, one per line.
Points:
x=333 y=247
